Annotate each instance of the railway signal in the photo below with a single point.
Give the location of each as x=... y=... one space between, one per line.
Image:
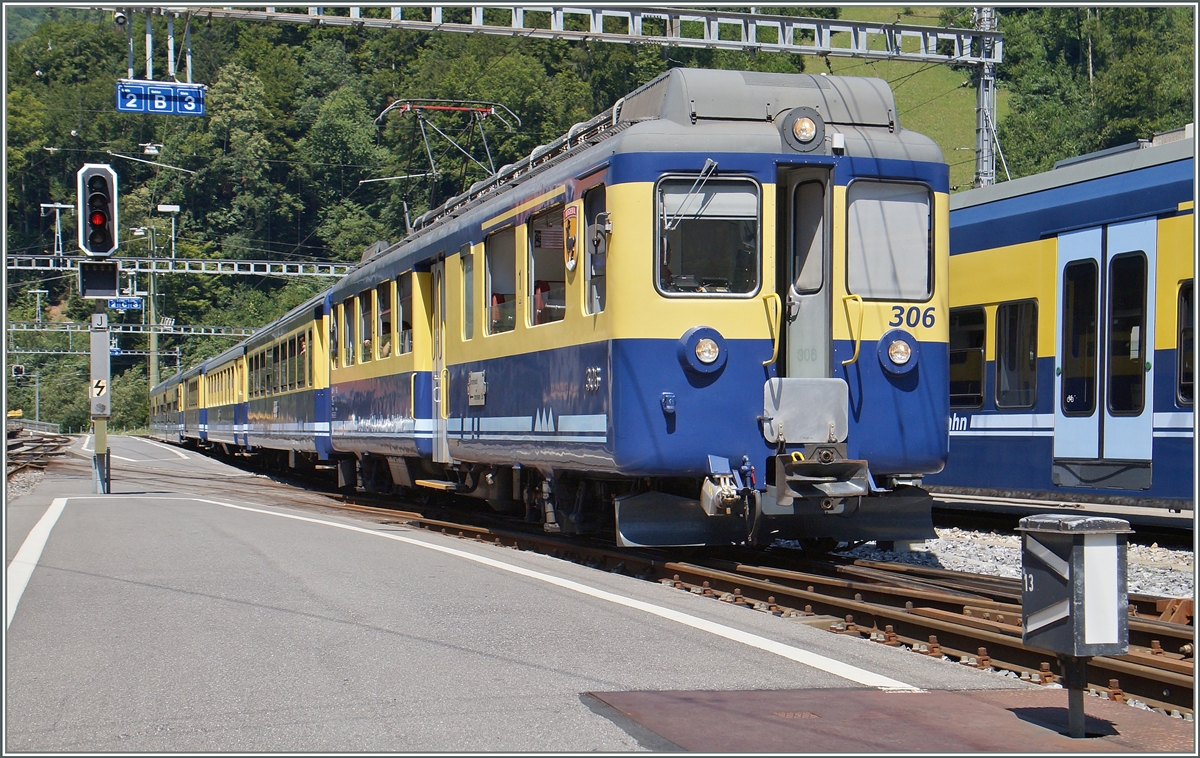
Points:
x=97 y=208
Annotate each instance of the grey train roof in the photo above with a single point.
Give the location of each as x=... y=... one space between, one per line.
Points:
x=735 y=111
x=1143 y=156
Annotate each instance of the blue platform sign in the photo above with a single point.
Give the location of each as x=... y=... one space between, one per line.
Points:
x=166 y=98
x=125 y=303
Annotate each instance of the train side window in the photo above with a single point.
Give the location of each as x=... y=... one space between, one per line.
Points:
x=468 y=274
x=1016 y=355
x=1186 y=346
x=1080 y=310
x=349 y=317
x=595 y=245
x=500 y=254
x=967 y=331
x=404 y=311
x=305 y=359
x=889 y=241
x=1127 y=358
x=333 y=336
x=708 y=237
x=366 y=325
x=547 y=268
x=293 y=372
x=383 y=329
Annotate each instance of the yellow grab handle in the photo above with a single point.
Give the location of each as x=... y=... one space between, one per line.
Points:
x=445 y=393
x=858 y=339
x=775 y=325
x=412 y=395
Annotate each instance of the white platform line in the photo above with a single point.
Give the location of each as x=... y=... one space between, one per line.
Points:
x=806 y=657
x=21 y=568
x=164 y=447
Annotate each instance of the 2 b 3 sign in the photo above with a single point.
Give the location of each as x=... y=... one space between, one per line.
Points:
x=166 y=98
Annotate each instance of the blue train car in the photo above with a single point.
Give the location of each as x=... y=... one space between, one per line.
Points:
x=166 y=413
x=287 y=395
x=715 y=313
x=191 y=401
x=225 y=398
x=1071 y=342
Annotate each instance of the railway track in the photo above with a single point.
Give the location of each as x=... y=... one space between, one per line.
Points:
x=32 y=450
x=970 y=618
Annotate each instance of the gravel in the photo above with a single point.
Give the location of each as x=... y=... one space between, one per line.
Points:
x=22 y=483
x=1152 y=570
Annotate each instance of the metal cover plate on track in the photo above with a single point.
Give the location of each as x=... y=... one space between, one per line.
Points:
x=873 y=721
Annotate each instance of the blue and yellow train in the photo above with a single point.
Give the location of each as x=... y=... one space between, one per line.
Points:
x=1071 y=343
x=717 y=313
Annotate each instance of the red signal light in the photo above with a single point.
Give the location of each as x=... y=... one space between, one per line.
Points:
x=97 y=218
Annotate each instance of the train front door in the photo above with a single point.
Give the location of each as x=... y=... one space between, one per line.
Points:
x=1104 y=373
x=804 y=290
x=441 y=375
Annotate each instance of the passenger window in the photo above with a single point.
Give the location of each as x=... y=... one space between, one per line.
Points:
x=500 y=252
x=1079 y=307
x=967 y=328
x=547 y=268
x=808 y=240
x=305 y=359
x=1127 y=356
x=366 y=325
x=595 y=245
x=276 y=369
x=708 y=237
x=1016 y=355
x=1186 y=346
x=383 y=330
x=468 y=273
x=289 y=363
x=404 y=311
x=348 y=318
x=334 y=358
x=888 y=241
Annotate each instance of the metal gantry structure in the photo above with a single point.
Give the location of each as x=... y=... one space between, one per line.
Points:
x=668 y=27
x=25 y=262
x=981 y=47
x=78 y=326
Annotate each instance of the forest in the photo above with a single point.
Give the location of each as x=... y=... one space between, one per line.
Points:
x=275 y=169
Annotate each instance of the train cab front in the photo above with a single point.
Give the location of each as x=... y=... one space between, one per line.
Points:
x=820 y=486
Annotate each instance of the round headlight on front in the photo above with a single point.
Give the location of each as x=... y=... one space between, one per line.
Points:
x=804 y=129
x=899 y=351
x=707 y=351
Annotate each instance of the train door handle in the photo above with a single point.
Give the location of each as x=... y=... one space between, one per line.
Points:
x=857 y=339
x=775 y=325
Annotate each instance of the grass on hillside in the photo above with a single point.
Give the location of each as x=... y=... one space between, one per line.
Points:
x=934 y=99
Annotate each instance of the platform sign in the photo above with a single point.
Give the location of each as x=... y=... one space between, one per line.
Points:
x=164 y=98
x=125 y=303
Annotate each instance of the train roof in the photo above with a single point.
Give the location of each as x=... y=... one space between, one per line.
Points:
x=302 y=312
x=237 y=351
x=166 y=384
x=682 y=110
x=1179 y=145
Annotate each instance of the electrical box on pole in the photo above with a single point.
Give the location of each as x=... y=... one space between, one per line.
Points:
x=96 y=185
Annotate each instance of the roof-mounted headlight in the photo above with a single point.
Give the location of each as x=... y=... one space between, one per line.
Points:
x=803 y=129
